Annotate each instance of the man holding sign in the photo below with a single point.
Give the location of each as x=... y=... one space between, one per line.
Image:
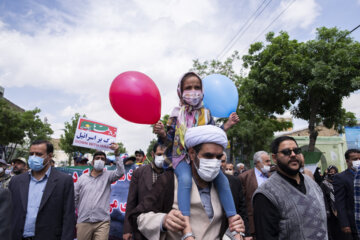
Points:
x=92 y=193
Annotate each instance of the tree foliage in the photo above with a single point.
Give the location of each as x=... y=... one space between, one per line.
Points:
x=308 y=78
x=20 y=128
x=150 y=149
x=256 y=127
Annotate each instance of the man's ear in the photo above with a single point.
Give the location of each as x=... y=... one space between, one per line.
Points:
x=152 y=154
x=273 y=156
x=192 y=154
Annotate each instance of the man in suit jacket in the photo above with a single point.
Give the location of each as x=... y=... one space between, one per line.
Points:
x=141 y=184
x=344 y=195
x=45 y=199
x=253 y=178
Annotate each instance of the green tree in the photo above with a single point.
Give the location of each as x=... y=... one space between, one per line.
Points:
x=66 y=139
x=20 y=128
x=256 y=127
x=149 y=150
x=308 y=78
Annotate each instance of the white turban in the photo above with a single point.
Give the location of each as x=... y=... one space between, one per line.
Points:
x=205 y=134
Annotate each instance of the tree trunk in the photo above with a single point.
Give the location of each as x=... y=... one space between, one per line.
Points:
x=231 y=150
x=312 y=121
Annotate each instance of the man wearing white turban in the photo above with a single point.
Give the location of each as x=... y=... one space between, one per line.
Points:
x=158 y=217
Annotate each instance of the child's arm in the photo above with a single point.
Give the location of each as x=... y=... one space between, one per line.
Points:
x=233 y=119
x=165 y=136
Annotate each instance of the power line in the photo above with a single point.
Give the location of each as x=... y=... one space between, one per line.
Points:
x=233 y=40
x=276 y=18
x=354 y=29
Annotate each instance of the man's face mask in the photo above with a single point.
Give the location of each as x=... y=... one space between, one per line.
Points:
x=356 y=164
x=208 y=168
x=159 y=161
x=99 y=165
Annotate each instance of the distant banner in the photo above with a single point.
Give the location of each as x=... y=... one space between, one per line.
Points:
x=118 y=199
x=352 y=137
x=92 y=134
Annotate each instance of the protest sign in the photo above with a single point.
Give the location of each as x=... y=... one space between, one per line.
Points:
x=92 y=134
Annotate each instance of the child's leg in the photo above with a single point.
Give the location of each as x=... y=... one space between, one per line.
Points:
x=184 y=176
x=224 y=191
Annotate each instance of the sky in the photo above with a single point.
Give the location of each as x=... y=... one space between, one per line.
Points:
x=62 y=55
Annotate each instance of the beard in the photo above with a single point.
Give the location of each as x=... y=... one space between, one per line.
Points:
x=285 y=168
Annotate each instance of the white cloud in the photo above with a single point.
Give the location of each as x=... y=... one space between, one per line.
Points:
x=352 y=103
x=80 y=47
x=301 y=13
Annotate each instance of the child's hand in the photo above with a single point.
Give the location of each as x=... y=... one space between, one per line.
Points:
x=233 y=119
x=159 y=129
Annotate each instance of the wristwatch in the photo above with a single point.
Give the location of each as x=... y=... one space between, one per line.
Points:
x=186 y=235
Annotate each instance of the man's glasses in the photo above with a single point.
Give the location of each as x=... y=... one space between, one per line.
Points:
x=287 y=151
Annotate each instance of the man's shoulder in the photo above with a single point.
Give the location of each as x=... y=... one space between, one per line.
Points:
x=140 y=170
x=343 y=176
x=247 y=174
x=20 y=177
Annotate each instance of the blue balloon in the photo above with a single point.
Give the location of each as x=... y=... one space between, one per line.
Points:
x=220 y=95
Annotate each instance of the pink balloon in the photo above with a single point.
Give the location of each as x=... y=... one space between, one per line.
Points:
x=136 y=98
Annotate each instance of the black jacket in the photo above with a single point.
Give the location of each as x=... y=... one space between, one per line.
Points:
x=56 y=216
x=344 y=198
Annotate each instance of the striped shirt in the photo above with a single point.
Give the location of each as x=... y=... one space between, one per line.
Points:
x=357 y=200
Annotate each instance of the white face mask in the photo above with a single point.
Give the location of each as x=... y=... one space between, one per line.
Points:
x=99 y=165
x=208 y=169
x=159 y=160
x=265 y=169
x=1 y=169
x=356 y=164
x=229 y=172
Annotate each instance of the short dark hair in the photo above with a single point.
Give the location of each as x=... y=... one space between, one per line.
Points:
x=49 y=146
x=140 y=152
x=276 y=142
x=349 y=151
x=99 y=153
x=186 y=76
x=156 y=145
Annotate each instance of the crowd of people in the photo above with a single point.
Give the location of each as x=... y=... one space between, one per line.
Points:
x=188 y=191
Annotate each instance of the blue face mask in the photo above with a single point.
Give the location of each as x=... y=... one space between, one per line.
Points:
x=36 y=163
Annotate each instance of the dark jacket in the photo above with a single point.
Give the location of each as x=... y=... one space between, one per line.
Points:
x=344 y=198
x=5 y=214
x=140 y=186
x=239 y=199
x=56 y=215
x=249 y=184
x=161 y=199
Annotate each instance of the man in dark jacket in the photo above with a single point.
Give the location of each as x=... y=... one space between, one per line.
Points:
x=45 y=199
x=141 y=184
x=344 y=195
